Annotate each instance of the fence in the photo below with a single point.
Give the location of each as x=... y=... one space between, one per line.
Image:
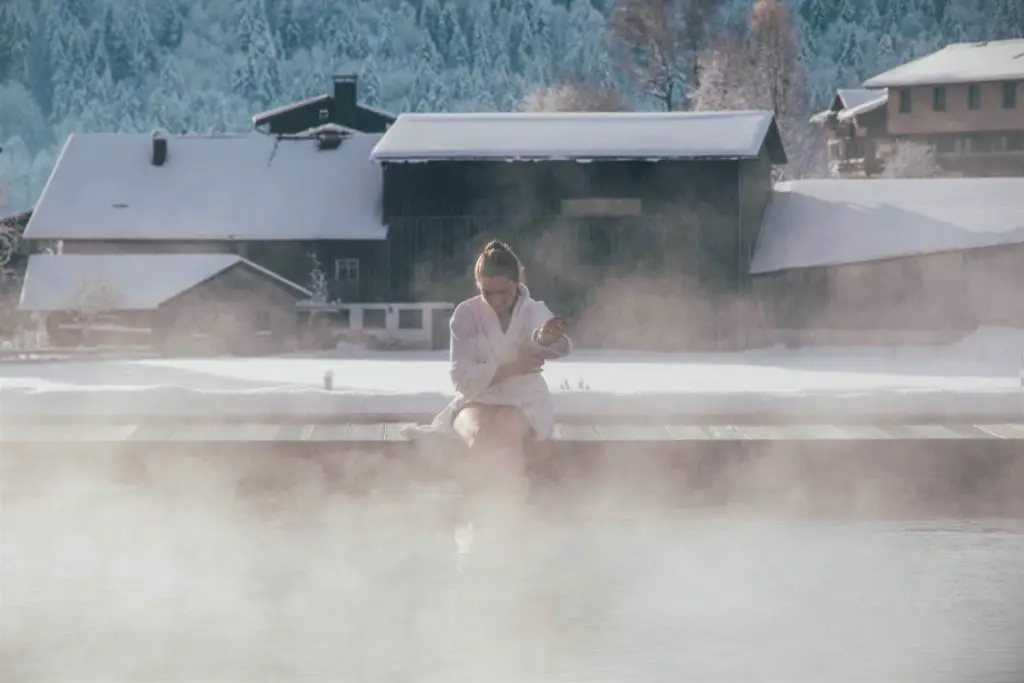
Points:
x=422 y=325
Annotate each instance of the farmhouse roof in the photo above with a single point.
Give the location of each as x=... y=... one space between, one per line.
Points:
x=833 y=222
x=133 y=282
x=582 y=136
x=994 y=60
x=231 y=187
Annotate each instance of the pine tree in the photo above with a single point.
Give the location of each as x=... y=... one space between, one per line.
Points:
x=256 y=77
x=14 y=42
x=119 y=52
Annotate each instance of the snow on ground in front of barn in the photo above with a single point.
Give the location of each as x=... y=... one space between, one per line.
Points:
x=979 y=374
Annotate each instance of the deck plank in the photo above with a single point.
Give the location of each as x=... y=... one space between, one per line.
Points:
x=272 y=432
x=332 y=432
x=687 y=433
x=366 y=432
x=794 y=433
x=575 y=432
x=1003 y=431
x=634 y=432
x=67 y=433
x=393 y=431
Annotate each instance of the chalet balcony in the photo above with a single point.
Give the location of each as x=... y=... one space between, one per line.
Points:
x=852 y=157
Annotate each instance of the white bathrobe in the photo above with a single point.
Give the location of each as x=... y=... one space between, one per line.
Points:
x=479 y=346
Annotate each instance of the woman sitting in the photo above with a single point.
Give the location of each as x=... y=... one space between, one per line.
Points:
x=499 y=342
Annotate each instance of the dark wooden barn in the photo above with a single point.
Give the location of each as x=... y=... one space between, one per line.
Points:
x=340 y=107
x=638 y=226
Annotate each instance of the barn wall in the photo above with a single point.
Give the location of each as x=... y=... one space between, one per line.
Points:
x=237 y=311
x=671 y=248
x=915 y=299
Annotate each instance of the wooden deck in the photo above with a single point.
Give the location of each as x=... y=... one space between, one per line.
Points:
x=389 y=432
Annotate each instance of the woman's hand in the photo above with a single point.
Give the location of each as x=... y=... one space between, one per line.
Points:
x=551 y=331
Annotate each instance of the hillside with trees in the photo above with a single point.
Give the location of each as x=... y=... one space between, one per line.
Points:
x=208 y=65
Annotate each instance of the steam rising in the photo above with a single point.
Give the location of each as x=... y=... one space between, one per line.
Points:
x=178 y=566
x=206 y=565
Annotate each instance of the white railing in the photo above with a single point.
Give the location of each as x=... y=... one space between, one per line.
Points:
x=403 y=325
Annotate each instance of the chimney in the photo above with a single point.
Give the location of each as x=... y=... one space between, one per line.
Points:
x=159 y=148
x=345 y=108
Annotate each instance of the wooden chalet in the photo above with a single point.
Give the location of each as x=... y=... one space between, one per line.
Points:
x=965 y=100
x=623 y=219
x=340 y=107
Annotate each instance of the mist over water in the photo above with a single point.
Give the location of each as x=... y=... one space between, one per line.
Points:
x=187 y=568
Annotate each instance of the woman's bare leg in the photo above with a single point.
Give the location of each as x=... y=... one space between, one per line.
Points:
x=495 y=437
x=472 y=424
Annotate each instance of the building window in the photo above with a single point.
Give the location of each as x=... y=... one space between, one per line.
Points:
x=973 y=97
x=1009 y=95
x=342 y=318
x=375 y=319
x=939 y=98
x=410 y=319
x=905 y=101
x=601 y=206
x=324 y=114
x=346 y=270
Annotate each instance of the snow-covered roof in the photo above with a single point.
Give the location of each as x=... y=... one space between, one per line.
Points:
x=246 y=187
x=264 y=116
x=995 y=60
x=832 y=222
x=589 y=135
x=124 y=282
x=854 y=97
x=848 y=99
x=865 y=106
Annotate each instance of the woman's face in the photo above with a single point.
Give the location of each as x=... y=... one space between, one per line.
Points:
x=498 y=291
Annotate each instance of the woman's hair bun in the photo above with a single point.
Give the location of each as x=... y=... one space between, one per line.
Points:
x=497 y=245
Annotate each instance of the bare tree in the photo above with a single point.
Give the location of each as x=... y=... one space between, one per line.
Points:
x=94 y=296
x=8 y=243
x=911 y=160
x=761 y=69
x=660 y=41
x=571 y=97
x=318 y=280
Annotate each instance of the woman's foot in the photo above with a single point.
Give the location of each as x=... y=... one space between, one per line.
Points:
x=463 y=537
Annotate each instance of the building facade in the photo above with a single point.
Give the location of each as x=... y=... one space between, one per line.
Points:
x=889 y=261
x=614 y=235
x=965 y=101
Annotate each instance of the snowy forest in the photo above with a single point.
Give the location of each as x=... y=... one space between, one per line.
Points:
x=208 y=65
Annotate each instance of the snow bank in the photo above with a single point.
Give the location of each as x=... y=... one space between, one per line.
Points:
x=978 y=375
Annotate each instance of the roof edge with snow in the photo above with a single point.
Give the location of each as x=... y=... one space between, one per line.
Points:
x=146 y=294
x=980 y=62
x=387 y=150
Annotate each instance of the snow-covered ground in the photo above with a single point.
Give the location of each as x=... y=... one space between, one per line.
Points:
x=978 y=375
